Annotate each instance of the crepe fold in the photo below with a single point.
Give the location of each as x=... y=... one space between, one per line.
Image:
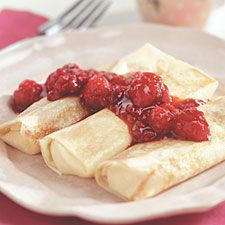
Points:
x=79 y=148
x=183 y=79
x=39 y=120
x=147 y=169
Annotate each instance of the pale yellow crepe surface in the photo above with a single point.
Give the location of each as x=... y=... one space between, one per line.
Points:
x=145 y=170
x=79 y=148
x=44 y=117
x=182 y=79
x=63 y=158
x=39 y=120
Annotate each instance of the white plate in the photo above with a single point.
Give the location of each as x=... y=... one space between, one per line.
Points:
x=26 y=180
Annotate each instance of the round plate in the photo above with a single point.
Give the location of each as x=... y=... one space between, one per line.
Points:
x=26 y=179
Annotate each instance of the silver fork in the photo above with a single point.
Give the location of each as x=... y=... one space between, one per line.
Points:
x=82 y=14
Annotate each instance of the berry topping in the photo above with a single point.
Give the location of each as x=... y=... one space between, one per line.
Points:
x=115 y=79
x=142 y=133
x=119 y=84
x=140 y=99
x=64 y=81
x=166 y=97
x=190 y=124
x=146 y=89
x=132 y=115
x=187 y=103
x=97 y=93
x=27 y=93
x=159 y=119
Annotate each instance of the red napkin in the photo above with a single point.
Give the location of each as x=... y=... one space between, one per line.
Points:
x=17 y=25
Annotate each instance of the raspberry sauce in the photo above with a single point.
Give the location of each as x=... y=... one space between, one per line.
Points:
x=140 y=99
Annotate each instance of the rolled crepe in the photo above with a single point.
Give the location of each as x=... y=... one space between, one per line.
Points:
x=78 y=153
x=39 y=120
x=183 y=80
x=147 y=169
x=78 y=149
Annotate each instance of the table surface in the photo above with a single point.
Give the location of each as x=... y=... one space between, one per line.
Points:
x=120 y=12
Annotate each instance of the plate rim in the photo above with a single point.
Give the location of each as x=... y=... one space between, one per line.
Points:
x=102 y=220
x=198 y=207
x=27 y=41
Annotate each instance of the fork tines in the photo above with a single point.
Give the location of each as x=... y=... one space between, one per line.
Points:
x=83 y=13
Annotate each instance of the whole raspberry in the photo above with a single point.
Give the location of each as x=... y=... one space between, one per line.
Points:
x=97 y=93
x=27 y=93
x=146 y=89
x=159 y=119
x=66 y=80
x=190 y=124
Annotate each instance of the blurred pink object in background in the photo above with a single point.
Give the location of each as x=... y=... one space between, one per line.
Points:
x=17 y=25
x=190 y=13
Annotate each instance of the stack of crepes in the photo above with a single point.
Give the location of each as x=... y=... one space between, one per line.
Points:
x=72 y=142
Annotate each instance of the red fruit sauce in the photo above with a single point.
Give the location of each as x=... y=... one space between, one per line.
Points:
x=141 y=99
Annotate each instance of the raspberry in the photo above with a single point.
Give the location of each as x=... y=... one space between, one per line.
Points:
x=115 y=79
x=27 y=93
x=187 y=103
x=132 y=116
x=92 y=72
x=159 y=119
x=97 y=93
x=141 y=133
x=119 y=84
x=190 y=124
x=146 y=89
x=166 y=97
x=64 y=81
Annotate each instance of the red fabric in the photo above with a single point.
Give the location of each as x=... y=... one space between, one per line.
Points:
x=17 y=25
x=12 y=214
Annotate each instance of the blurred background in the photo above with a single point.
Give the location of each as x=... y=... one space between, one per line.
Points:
x=21 y=19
